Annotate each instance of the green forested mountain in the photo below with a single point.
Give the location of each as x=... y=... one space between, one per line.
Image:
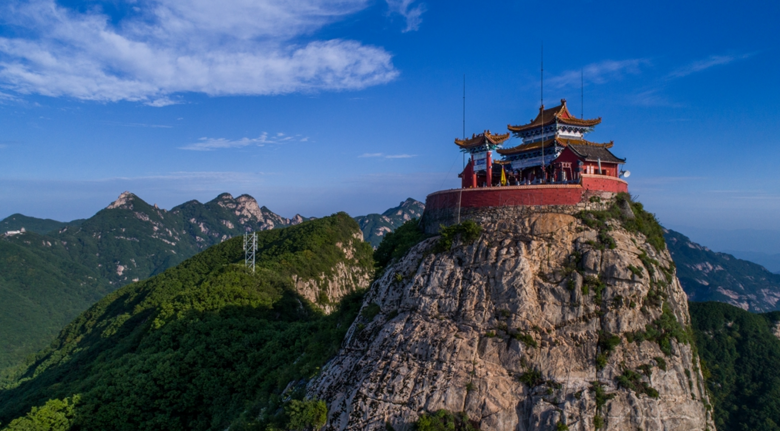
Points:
x=32 y=224
x=740 y=356
x=47 y=279
x=39 y=294
x=707 y=275
x=200 y=346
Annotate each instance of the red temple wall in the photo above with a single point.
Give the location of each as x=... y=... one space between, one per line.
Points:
x=550 y=194
x=604 y=183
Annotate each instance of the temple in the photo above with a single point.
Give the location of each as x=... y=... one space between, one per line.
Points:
x=553 y=150
x=480 y=166
x=551 y=165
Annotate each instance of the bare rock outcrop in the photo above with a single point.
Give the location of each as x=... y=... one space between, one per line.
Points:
x=534 y=324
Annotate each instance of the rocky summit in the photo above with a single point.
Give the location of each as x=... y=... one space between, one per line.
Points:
x=549 y=319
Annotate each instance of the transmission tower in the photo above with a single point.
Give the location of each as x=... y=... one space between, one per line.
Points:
x=250 y=247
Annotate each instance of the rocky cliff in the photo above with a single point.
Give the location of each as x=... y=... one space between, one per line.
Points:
x=345 y=277
x=545 y=321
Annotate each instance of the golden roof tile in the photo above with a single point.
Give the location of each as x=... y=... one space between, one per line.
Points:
x=558 y=114
x=485 y=138
x=564 y=142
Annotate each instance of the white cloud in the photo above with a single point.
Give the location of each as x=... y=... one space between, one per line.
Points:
x=211 y=144
x=709 y=62
x=246 y=47
x=387 y=156
x=412 y=15
x=163 y=101
x=599 y=73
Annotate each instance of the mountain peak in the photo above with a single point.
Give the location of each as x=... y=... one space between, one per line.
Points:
x=122 y=201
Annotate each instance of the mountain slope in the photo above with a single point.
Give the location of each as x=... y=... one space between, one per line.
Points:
x=72 y=267
x=33 y=224
x=740 y=355
x=39 y=295
x=375 y=226
x=194 y=347
x=711 y=276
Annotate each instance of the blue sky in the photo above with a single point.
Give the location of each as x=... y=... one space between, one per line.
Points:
x=314 y=107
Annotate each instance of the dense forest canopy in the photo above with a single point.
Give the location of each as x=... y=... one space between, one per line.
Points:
x=201 y=346
x=740 y=359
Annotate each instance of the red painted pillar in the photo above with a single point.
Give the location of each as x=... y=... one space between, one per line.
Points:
x=489 y=168
x=473 y=174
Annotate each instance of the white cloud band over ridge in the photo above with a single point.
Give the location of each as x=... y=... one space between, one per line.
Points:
x=211 y=144
x=241 y=47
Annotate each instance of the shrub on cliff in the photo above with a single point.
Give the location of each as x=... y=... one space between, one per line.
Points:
x=443 y=420
x=468 y=231
x=305 y=415
x=396 y=244
x=642 y=221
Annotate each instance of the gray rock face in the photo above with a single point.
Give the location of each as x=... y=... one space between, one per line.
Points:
x=507 y=330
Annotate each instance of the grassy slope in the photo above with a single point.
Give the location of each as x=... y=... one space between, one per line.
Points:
x=199 y=344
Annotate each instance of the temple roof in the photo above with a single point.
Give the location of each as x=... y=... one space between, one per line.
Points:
x=485 y=138
x=593 y=153
x=558 y=114
x=564 y=142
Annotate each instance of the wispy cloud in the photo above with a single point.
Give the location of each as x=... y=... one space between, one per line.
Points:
x=412 y=15
x=162 y=101
x=652 y=97
x=707 y=63
x=151 y=126
x=387 y=156
x=211 y=144
x=242 y=47
x=599 y=73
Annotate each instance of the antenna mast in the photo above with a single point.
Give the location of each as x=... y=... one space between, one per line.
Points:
x=464 y=117
x=541 y=101
x=582 y=93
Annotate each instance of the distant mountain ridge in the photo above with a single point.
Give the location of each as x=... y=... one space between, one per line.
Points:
x=17 y=221
x=707 y=275
x=376 y=226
